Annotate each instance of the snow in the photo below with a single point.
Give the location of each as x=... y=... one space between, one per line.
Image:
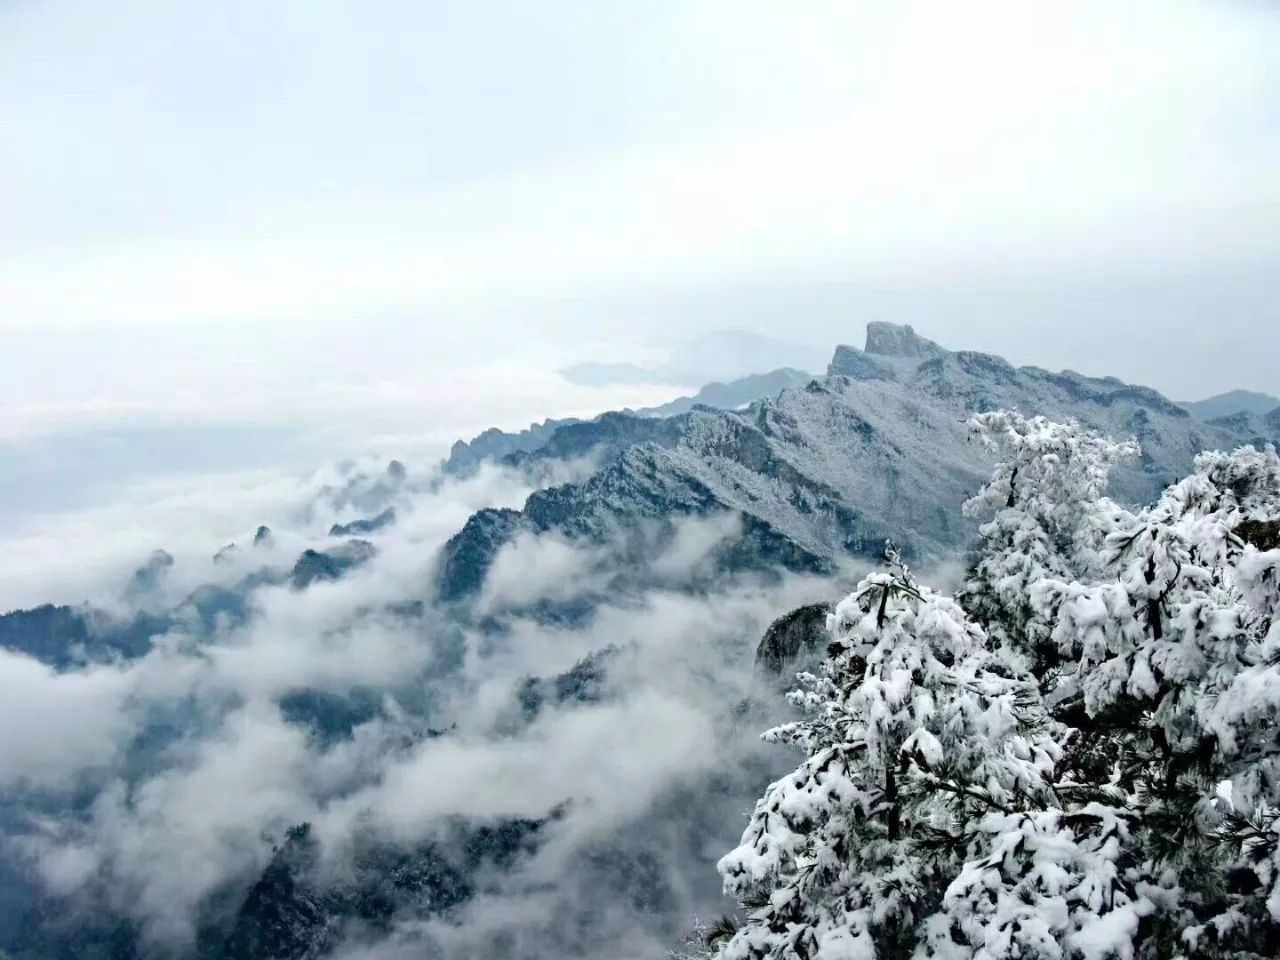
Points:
x=1077 y=759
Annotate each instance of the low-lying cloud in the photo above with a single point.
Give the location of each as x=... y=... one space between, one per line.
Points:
x=154 y=790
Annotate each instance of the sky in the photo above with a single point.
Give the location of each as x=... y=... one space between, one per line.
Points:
x=396 y=220
x=239 y=240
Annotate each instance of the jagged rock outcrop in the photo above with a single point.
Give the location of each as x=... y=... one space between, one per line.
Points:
x=793 y=640
x=298 y=911
x=584 y=682
x=465 y=457
x=858 y=365
x=150 y=575
x=368 y=525
x=331 y=564
x=899 y=340
x=64 y=636
x=469 y=554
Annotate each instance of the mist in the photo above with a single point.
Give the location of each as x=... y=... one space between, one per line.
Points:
x=149 y=787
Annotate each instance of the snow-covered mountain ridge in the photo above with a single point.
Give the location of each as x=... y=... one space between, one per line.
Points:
x=390 y=647
x=826 y=472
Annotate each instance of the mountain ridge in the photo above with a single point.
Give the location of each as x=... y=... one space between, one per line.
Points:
x=1231 y=403
x=824 y=473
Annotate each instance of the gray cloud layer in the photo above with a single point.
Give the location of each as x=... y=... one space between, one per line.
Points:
x=281 y=214
x=177 y=825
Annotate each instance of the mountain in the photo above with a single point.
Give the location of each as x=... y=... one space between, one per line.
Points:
x=735 y=393
x=64 y=636
x=294 y=911
x=494 y=445
x=590 y=633
x=822 y=474
x=1230 y=403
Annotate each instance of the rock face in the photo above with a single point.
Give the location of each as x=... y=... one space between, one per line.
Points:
x=793 y=640
x=858 y=365
x=817 y=471
x=828 y=471
x=899 y=340
x=469 y=555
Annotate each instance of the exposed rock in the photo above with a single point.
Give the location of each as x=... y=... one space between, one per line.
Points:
x=369 y=525
x=858 y=365
x=65 y=637
x=297 y=909
x=895 y=340
x=147 y=577
x=467 y=557
x=284 y=916
x=1262 y=534
x=465 y=457
x=584 y=682
x=794 y=638
x=316 y=565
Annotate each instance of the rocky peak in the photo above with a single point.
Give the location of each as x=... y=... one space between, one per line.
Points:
x=857 y=365
x=899 y=340
x=793 y=640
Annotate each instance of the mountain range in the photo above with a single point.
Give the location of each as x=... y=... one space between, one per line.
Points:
x=773 y=478
x=824 y=473
x=1231 y=403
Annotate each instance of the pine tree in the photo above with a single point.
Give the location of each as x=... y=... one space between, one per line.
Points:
x=1080 y=759
x=915 y=729
x=1049 y=518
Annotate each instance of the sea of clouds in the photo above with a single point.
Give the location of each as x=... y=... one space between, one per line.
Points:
x=154 y=790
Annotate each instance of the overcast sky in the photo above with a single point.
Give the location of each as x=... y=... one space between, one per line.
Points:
x=249 y=211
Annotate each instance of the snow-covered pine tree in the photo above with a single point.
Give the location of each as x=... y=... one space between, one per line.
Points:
x=915 y=729
x=1125 y=803
x=1152 y=642
x=1050 y=517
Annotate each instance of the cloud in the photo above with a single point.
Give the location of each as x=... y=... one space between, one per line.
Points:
x=193 y=763
x=57 y=725
x=181 y=834
x=161 y=783
x=359 y=269
x=533 y=568
x=693 y=544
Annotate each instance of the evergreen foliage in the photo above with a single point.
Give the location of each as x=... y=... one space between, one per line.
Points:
x=1076 y=759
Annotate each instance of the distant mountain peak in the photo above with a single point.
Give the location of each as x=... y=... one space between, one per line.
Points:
x=899 y=340
x=1231 y=403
